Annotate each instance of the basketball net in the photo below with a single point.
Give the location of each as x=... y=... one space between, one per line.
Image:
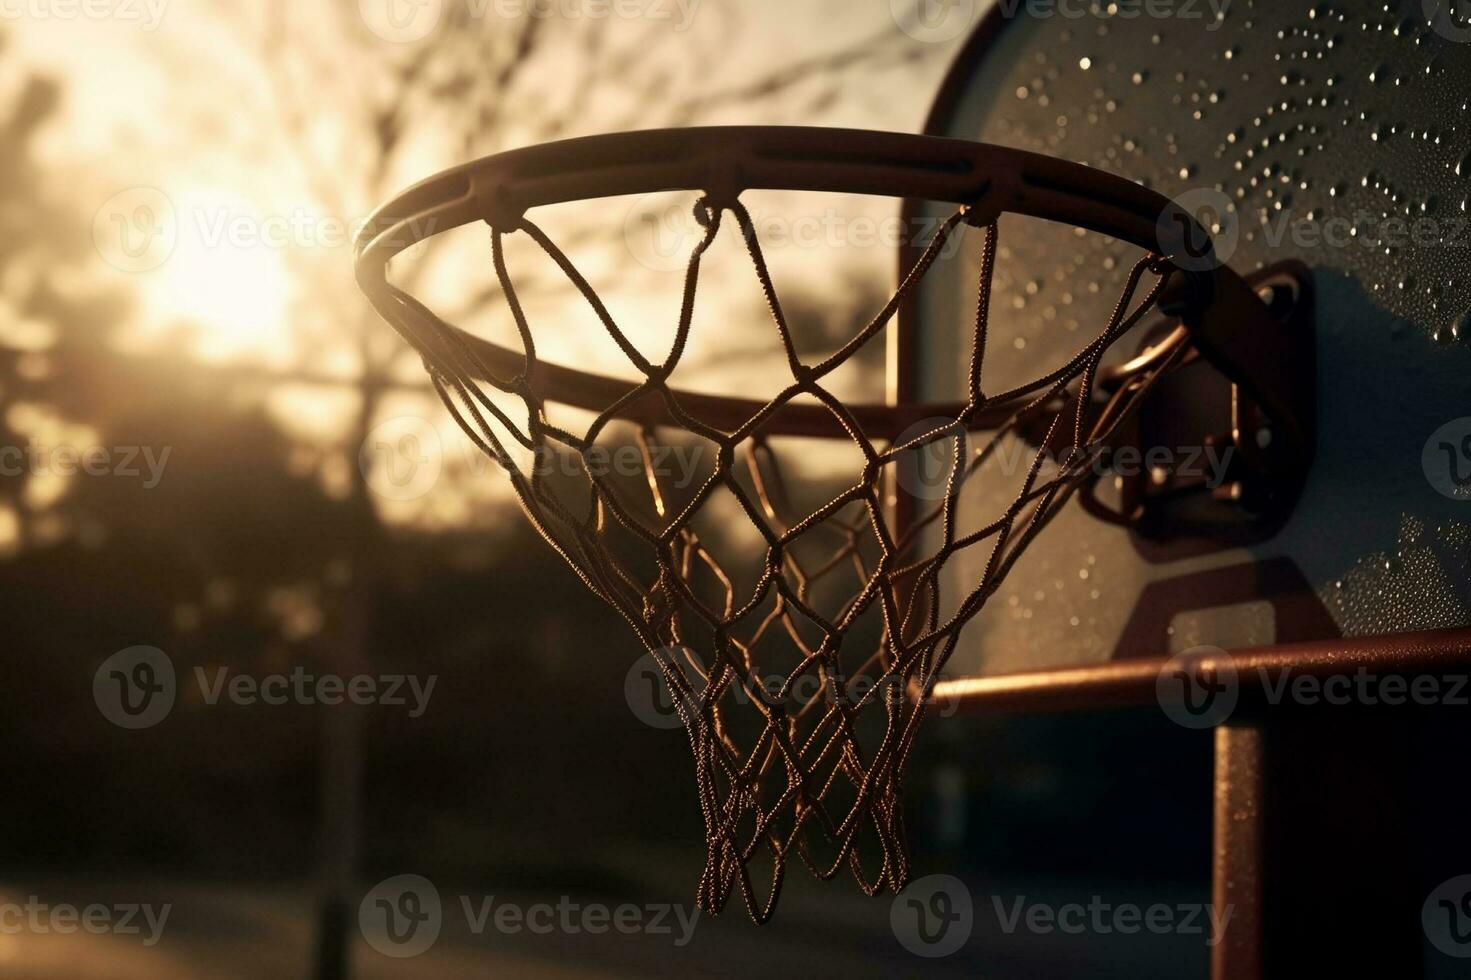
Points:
x=800 y=719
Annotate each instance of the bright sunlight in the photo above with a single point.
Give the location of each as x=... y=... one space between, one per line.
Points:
x=228 y=275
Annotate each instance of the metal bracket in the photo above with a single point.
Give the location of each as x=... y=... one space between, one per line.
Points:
x=1221 y=445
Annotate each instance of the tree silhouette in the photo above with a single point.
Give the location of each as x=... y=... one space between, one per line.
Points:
x=245 y=555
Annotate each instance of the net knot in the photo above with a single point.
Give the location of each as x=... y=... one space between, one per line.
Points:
x=501 y=211
x=706 y=211
x=975 y=217
x=725 y=457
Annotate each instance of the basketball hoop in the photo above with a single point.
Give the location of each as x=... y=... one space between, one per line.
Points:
x=820 y=773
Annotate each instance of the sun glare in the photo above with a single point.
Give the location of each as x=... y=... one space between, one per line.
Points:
x=227 y=276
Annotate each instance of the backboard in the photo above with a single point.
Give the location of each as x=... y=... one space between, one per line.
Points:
x=1335 y=135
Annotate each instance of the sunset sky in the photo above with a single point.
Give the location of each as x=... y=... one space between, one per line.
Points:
x=173 y=137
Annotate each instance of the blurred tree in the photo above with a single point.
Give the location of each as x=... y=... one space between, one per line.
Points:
x=476 y=85
x=256 y=552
